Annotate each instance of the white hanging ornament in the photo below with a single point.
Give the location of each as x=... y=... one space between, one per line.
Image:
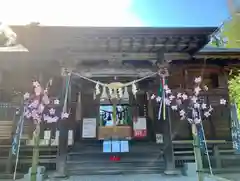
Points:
x=97 y=89
x=104 y=93
x=120 y=92
x=125 y=94
x=134 y=89
x=110 y=90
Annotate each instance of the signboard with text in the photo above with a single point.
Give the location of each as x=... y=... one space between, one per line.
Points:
x=89 y=128
x=140 y=128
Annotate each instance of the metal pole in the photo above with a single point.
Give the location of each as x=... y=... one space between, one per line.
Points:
x=18 y=149
x=205 y=144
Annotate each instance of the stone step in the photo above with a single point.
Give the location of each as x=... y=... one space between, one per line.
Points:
x=116 y=171
x=135 y=163
x=89 y=159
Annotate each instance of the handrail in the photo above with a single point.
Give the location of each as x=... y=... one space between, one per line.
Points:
x=190 y=141
x=217 y=178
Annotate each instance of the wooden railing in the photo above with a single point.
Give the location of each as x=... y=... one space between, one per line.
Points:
x=221 y=155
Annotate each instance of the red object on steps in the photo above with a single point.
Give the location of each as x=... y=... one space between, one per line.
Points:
x=114 y=158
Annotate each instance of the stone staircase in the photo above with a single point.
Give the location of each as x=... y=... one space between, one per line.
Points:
x=88 y=159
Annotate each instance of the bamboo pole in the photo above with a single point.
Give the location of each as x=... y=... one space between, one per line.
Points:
x=197 y=153
x=35 y=157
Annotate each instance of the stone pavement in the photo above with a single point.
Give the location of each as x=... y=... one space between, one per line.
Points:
x=139 y=177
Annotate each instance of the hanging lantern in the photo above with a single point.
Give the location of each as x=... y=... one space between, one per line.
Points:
x=104 y=94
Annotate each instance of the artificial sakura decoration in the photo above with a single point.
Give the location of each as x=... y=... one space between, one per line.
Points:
x=191 y=107
x=39 y=107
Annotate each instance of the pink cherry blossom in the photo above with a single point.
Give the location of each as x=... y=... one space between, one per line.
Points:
x=207 y=114
x=38 y=90
x=34 y=104
x=174 y=107
x=158 y=99
x=179 y=95
x=153 y=96
x=167 y=102
x=56 y=102
x=223 y=101
x=36 y=84
x=198 y=80
x=52 y=111
x=45 y=99
x=64 y=115
x=41 y=108
x=197 y=90
x=184 y=96
x=26 y=96
x=197 y=120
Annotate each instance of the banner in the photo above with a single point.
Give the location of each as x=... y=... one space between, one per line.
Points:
x=201 y=133
x=17 y=135
x=235 y=128
x=140 y=128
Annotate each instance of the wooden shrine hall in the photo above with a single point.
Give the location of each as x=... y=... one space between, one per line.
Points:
x=115 y=55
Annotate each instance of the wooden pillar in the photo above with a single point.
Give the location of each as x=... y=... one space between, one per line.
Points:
x=63 y=139
x=168 y=146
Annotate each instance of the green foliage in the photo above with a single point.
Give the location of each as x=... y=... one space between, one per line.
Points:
x=3 y=39
x=228 y=36
x=231 y=31
x=234 y=90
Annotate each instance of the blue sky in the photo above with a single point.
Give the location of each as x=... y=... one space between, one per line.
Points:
x=155 y=13
x=181 y=12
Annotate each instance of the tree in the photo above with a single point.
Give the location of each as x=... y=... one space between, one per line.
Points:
x=39 y=107
x=7 y=36
x=228 y=35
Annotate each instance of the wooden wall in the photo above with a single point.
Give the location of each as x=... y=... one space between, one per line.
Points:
x=218 y=125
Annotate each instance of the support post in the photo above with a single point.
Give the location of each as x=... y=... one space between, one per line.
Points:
x=63 y=133
x=62 y=150
x=35 y=157
x=217 y=157
x=197 y=153
x=168 y=147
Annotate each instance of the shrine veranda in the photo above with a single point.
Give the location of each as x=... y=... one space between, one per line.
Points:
x=116 y=55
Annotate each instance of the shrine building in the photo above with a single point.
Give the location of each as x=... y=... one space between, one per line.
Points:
x=115 y=55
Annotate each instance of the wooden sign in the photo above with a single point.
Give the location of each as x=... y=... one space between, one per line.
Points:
x=140 y=127
x=89 y=128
